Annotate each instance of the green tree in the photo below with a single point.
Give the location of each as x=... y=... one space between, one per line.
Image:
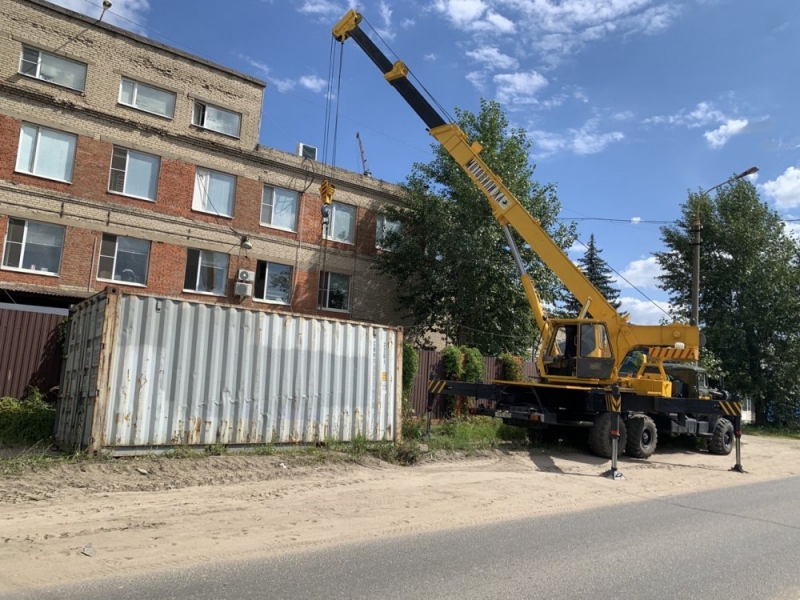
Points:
x=454 y=272
x=599 y=273
x=749 y=293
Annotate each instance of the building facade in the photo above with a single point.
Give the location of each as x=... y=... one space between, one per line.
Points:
x=127 y=162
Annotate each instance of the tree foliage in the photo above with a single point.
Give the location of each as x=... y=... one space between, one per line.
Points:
x=599 y=273
x=454 y=272
x=749 y=300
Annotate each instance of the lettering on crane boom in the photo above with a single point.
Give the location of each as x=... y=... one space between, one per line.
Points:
x=486 y=183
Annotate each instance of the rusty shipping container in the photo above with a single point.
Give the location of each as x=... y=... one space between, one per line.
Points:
x=145 y=373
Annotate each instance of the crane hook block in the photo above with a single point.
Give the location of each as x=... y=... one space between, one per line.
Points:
x=326 y=191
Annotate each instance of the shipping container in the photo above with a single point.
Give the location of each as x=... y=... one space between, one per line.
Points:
x=145 y=373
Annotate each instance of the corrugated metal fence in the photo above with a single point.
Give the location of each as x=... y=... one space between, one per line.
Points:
x=29 y=352
x=145 y=372
x=430 y=366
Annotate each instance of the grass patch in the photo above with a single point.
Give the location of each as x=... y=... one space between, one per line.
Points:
x=464 y=434
x=26 y=422
x=780 y=432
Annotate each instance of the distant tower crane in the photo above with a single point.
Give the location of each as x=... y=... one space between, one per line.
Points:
x=367 y=172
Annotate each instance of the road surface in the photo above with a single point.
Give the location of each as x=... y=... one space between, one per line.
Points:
x=738 y=542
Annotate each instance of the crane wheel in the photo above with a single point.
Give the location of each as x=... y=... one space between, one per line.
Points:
x=600 y=436
x=642 y=436
x=721 y=440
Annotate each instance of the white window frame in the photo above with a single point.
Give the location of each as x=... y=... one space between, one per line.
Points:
x=201 y=120
x=271 y=189
x=36 y=145
x=263 y=298
x=204 y=189
x=125 y=174
x=380 y=230
x=24 y=244
x=199 y=267
x=38 y=74
x=334 y=208
x=324 y=305
x=114 y=264
x=136 y=86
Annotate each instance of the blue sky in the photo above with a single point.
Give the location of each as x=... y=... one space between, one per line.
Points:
x=629 y=103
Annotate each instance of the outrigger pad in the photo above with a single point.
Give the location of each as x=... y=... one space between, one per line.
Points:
x=614 y=474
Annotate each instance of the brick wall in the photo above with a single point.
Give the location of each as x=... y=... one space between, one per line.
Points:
x=87 y=209
x=111 y=54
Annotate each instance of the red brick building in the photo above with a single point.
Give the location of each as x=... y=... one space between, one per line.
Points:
x=127 y=162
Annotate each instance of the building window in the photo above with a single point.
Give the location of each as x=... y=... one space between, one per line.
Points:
x=279 y=208
x=123 y=259
x=206 y=272
x=216 y=119
x=273 y=282
x=33 y=246
x=214 y=192
x=385 y=226
x=134 y=173
x=55 y=69
x=342 y=225
x=147 y=98
x=334 y=291
x=46 y=153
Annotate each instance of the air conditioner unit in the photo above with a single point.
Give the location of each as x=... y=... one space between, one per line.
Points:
x=307 y=151
x=245 y=275
x=243 y=289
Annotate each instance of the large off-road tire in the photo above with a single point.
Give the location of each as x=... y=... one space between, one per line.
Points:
x=600 y=436
x=642 y=437
x=721 y=440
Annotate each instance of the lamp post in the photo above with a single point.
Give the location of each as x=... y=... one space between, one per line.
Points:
x=696 y=229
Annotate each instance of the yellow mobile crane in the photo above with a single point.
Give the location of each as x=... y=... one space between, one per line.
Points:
x=580 y=361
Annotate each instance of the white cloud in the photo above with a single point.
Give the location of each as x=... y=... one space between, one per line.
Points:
x=636 y=220
x=493 y=58
x=784 y=189
x=127 y=14
x=626 y=115
x=321 y=8
x=313 y=83
x=641 y=273
x=518 y=88
x=584 y=140
x=576 y=248
x=430 y=57
x=644 y=312
x=385 y=31
x=494 y=23
x=310 y=82
x=462 y=13
x=792 y=229
x=720 y=136
x=700 y=116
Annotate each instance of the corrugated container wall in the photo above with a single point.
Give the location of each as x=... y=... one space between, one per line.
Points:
x=145 y=372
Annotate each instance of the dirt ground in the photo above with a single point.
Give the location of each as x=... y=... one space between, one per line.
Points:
x=86 y=520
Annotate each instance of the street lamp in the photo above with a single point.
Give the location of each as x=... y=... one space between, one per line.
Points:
x=696 y=229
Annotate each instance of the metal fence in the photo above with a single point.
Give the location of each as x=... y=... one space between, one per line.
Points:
x=430 y=367
x=30 y=355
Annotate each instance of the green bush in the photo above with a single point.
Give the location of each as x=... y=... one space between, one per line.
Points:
x=512 y=367
x=27 y=421
x=410 y=367
x=452 y=363
x=473 y=364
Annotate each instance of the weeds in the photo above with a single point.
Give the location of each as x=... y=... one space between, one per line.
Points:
x=26 y=422
x=792 y=433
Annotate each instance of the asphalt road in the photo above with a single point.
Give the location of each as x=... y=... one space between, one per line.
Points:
x=741 y=542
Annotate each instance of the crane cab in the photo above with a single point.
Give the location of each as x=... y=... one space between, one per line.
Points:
x=578 y=348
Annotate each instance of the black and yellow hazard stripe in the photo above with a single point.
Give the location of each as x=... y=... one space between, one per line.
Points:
x=435 y=386
x=613 y=404
x=731 y=408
